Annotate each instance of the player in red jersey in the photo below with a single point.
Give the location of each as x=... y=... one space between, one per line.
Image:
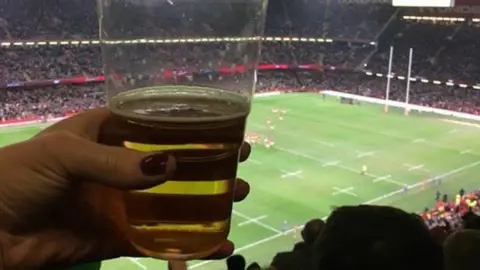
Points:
x=283 y=112
x=268 y=142
x=269 y=123
x=252 y=138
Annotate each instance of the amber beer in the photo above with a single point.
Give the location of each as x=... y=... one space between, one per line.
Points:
x=188 y=217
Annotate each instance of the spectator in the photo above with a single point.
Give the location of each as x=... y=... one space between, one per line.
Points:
x=236 y=262
x=461 y=250
x=375 y=238
x=300 y=257
x=471 y=221
x=312 y=231
x=254 y=266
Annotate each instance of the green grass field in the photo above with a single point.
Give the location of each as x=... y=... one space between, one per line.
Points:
x=320 y=148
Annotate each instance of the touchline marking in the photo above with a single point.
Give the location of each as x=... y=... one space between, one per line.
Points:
x=381 y=178
x=325 y=143
x=258 y=222
x=388 y=195
x=387 y=179
x=465 y=152
x=135 y=261
x=252 y=220
x=429 y=143
x=330 y=163
x=296 y=174
x=254 y=161
x=337 y=164
x=365 y=154
x=418 y=167
x=347 y=191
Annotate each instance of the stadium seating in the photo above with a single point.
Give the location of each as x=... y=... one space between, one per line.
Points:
x=348 y=46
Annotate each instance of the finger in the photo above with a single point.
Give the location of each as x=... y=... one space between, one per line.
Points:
x=245 y=151
x=242 y=189
x=116 y=167
x=223 y=252
x=85 y=125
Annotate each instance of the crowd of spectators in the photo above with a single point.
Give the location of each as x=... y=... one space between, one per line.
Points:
x=49 y=102
x=77 y=19
x=442 y=51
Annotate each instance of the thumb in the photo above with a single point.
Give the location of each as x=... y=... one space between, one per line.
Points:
x=116 y=167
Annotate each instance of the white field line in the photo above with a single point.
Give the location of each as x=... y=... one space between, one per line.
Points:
x=365 y=154
x=414 y=141
x=377 y=199
x=330 y=163
x=417 y=167
x=465 y=152
x=258 y=222
x=321 y=142
x=381 y=178
x=347 y=191
x=325 y=143
x=418 y=141
x=252 y=220
x=429 y=142
x=296 y=174
x=374 y=176
x=337 y=164
x=135 y=261
x=254 y=161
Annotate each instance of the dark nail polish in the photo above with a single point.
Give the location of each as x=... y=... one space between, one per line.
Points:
x=154 y=165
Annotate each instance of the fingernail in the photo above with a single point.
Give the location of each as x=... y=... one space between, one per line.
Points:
x=154 y=165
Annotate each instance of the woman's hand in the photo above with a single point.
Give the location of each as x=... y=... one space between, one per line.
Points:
x=60 y=195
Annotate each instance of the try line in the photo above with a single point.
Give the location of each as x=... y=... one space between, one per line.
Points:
x=377 y=199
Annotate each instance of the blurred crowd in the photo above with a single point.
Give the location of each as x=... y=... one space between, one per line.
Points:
x=383 y=237
x=77 y=19
x=55 y=101
x=444 y=51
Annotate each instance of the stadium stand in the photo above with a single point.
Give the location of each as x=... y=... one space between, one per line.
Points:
x=345 y=49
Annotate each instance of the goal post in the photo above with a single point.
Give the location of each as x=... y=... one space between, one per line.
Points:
x=407 y=91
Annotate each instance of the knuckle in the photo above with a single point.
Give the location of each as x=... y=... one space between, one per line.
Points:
x=118 y=163
x=56 y=139
x=110 y=162
x=55 y=143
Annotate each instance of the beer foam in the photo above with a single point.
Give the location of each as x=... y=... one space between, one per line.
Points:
x=180 y=104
